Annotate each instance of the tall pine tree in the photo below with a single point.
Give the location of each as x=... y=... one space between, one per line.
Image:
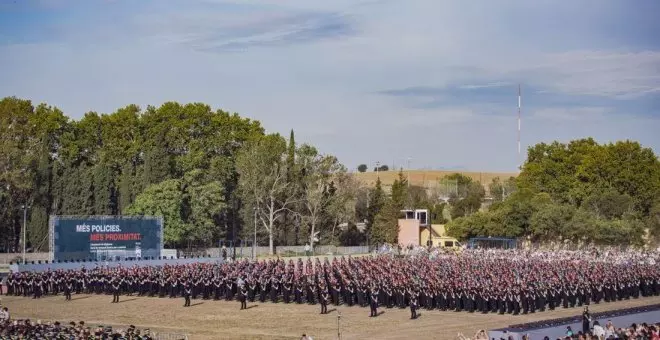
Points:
x=386 y=227
x=72 y=182
x=375 y=201
x=157 y=163
x=291 y=178
x=103 y=190
x=125 y=190
x=86 y=190
x=38 y=222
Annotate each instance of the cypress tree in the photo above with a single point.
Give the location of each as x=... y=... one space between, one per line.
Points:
x=86 y=190
x=38 y=221
x=157 y=163
x=376 y=201
x=291 y=179
x=125 y=191
x=57 y=188
x=71 y=182
x=103 y=189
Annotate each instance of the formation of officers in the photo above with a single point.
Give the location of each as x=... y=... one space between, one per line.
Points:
x=474 y=281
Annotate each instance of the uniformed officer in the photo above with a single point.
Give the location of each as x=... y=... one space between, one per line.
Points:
x=373 y=301
x=68 y=287
x=116 y=284
x=413 y=305
x=187 y=292
x=325 y=296
x=586 y=320
x=243 y=297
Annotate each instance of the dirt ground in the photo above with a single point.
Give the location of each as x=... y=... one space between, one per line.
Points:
x=224 y=320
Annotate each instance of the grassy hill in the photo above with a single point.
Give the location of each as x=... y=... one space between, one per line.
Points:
x=428 y=178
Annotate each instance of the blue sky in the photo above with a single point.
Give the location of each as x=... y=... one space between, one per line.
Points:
x=369 y=81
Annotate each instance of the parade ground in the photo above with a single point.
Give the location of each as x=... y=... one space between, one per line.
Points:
x=223 y=320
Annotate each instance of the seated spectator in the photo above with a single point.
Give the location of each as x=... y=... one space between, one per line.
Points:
x=598 y=330
x=4 y=314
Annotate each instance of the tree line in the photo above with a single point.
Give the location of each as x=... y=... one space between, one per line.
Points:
x=214 y=175
x=581 y=191
x=125 y=162
x=211 y=174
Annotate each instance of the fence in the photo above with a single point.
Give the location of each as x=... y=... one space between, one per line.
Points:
x=39 y=267
x=287 y=251
x=555 y=246
x=6 y=258
x=241 y=252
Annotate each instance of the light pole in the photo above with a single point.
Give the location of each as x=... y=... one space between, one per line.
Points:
x=25 y=208
x=233 y=229
x=254 y=242
x=377 y=168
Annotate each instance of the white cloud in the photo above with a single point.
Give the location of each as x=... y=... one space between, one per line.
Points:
x=597 y=73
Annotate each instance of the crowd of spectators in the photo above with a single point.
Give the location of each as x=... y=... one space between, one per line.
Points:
x=636 y=331
x=642 y=331
x=38 y=330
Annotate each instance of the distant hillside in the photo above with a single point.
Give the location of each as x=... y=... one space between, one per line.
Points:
x=429 y=178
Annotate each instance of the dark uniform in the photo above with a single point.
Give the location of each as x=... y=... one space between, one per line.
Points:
x=68 y=287
x=116 y=284
x=413 y=305
x=324 y=300
x=586 y=321
x=373 y=302
x=243 y=297
x=187 y=292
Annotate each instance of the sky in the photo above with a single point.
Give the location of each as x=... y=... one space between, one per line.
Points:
x=422 y=83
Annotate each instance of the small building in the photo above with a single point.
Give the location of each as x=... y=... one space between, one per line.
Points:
x=415 y=229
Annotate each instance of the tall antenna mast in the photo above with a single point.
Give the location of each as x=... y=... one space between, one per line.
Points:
x=519 y=103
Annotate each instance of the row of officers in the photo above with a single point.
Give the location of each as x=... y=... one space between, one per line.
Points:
x=326 y=291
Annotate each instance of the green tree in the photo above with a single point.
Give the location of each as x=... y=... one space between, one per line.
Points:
x=342 y=207
x=86 y=190
x=609 y=204
x=262 y=182
x=104 y=190
x=351 y=236
x=157 y=162
x=292 y=180
x=620 y=231
x=653 y=220
x=548 y=223
x=125 y=188
x=317 y=184
x=625 y=167
x=375 y=201
x=164 y=199
x=399 y=193
x=205 y=203
x=386 y=226
x=552 y=168
x=500 y=190
x=362 y=168
x=417 y=198
x=100 y=163
x=41 y=201
x=468 y=196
